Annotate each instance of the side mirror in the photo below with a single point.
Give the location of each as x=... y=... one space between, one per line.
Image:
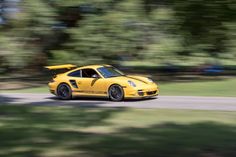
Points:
x=95 y=76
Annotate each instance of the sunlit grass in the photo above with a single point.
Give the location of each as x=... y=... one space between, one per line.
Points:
x=41 y=89
x=225 y=87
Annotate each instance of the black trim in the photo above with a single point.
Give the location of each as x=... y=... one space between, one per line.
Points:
x=73 y=83
x=89 y=92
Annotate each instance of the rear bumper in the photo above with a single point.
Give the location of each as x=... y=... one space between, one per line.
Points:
x=53 y=92
x=52 y=87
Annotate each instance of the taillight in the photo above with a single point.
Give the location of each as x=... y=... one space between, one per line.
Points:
x=52 y=80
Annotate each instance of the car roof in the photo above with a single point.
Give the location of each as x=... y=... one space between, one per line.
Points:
x=94 y=66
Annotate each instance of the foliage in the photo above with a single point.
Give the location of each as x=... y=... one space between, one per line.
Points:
x=111 y=31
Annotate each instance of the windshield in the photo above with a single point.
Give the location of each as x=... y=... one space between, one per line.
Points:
x=108 y=72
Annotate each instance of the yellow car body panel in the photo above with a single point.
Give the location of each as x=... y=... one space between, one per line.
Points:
x=81 y=86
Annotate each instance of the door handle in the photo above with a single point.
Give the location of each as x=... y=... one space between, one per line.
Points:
x=79 y=82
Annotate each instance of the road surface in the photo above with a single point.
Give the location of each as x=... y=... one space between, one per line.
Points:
x=168 y=102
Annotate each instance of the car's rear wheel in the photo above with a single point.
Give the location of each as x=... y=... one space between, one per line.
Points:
x=116 y=93
x=64 y=91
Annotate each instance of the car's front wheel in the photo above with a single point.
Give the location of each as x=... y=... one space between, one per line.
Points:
x=64 y=91
x=116 y=93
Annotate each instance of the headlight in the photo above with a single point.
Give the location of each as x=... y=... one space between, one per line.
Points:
x=150 y=80
x=131 y=83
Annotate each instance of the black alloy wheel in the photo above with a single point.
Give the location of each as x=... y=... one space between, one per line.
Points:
x=64 y=91
x=116 y=93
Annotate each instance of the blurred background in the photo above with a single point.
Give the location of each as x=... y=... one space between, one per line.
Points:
x=172 y=35
x=187 y=46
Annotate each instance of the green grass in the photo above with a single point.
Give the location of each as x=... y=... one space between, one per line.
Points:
x=224 y=87
x=41 y=89
x=67 y=131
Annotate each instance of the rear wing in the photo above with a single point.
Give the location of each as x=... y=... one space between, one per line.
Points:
x=64 y=66
x=59 y=69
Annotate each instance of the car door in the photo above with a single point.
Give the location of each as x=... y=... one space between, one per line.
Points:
x=91 y=82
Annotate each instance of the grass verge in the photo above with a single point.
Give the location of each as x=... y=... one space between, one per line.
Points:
x=224 y=87
x=67 y=131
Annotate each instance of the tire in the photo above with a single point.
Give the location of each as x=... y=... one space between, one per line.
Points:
x=64 y=91
x=116 y=93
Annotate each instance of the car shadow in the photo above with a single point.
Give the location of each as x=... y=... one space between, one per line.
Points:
x=76 y=102
x=101 y=99
x=79 y=98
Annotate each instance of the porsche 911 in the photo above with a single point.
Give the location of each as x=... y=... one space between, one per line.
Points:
x=99 y=81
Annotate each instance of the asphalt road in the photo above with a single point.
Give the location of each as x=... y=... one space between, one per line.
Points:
x=168 y=102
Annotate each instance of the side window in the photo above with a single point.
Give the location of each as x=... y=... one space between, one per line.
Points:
x=75 y=73
x=89 y=73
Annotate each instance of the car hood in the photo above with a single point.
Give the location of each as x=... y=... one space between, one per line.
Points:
x=138 y=80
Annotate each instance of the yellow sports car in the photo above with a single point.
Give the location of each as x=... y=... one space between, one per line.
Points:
x=99 y=80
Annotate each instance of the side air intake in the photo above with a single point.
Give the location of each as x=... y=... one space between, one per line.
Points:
x=73 y=83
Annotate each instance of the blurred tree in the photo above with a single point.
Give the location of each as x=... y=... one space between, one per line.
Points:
x=105 y=35
x=202 y=23
x=103 y=31
x=25 y=40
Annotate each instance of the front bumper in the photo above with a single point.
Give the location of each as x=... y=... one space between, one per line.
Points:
x=145 y=92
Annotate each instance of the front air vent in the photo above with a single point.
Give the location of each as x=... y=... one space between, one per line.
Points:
x=151 y=92
x=73 y=83
x=140 y=93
